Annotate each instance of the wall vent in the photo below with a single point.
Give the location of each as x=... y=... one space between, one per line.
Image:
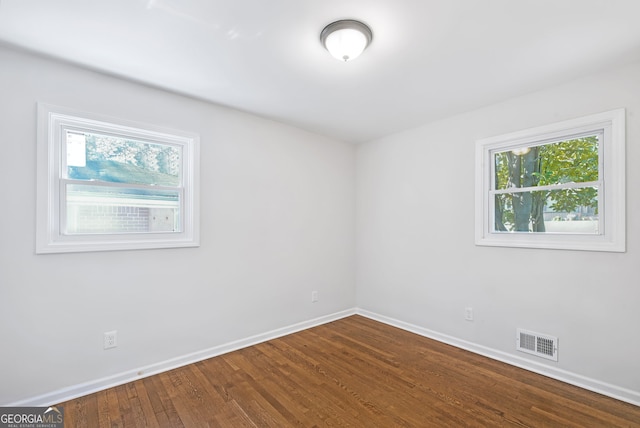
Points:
x=542 y=345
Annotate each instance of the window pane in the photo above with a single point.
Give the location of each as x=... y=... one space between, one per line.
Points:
x=556 y=211
x=107 y=210
x=573 y=160
x=118 y=160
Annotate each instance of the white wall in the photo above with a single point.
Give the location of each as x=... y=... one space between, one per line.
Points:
x=277 y=221
x=279 y=213
x=417 y=262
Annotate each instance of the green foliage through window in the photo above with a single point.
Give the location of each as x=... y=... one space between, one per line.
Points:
x=119 y=160
x=550 y=182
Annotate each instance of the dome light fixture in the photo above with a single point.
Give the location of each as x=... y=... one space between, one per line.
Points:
x=346 y=39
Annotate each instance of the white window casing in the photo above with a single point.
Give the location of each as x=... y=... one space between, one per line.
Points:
x=52 y=234
x=610 y=234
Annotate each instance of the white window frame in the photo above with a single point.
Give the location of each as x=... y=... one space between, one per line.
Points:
x=611 y=185
x=53 y=121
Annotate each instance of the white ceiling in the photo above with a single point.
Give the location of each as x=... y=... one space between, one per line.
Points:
x=429 y=58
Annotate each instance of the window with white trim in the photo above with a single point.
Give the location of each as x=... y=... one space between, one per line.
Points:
x=110 y=184
x=558 y=186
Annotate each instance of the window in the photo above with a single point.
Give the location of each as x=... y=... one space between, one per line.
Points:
x=558 y=186
x=108 y=184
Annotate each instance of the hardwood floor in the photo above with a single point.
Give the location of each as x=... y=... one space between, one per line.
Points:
x=351 y=372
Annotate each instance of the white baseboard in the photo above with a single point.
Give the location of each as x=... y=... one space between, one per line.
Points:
x=69 y=393
x=613 y=391
x=75 y=391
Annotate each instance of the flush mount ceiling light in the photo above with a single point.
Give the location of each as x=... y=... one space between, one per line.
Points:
x=346 y=39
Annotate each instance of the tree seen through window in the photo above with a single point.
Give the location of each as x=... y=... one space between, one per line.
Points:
x=554 y=182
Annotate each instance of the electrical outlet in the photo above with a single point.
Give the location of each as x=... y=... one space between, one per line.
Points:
x=314 y=296
x=468 y=314
x=110 y=339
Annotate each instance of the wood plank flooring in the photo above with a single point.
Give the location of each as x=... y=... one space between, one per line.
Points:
x=353 y=372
